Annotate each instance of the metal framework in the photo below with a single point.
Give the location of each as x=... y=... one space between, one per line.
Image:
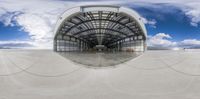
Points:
x=83 y=28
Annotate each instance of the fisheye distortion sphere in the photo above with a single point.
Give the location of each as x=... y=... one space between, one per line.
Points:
x=100 y=28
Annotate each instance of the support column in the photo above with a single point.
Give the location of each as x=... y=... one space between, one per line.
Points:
x=55 y=45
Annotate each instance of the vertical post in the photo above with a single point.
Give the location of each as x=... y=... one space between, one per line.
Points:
x=69 y=44
x=72 y=46
x=55 y=45
x=79 y=45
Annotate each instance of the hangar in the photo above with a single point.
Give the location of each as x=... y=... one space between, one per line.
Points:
x=44 y=74
x=100 y=28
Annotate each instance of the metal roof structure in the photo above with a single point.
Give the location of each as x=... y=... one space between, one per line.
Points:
x=98 y=25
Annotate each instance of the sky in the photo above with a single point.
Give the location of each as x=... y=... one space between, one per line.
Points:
x=30 y=23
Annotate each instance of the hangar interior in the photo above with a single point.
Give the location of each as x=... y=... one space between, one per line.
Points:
x=99 y=28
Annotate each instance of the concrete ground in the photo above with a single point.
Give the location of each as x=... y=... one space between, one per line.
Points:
x=43 y=74
x=100 y=59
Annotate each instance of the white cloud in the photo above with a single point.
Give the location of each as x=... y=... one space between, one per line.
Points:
x=194 y=14
x=191 y=8
x=151 y=22
x=16 y=44
x=190 y=43
x=37 y=27
x=37 y=17
x=161 y=40
x=25 y=44
x=7 y=17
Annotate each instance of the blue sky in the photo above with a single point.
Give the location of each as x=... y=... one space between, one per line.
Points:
x=170 y=24
x=173 y=21
x=12 y=33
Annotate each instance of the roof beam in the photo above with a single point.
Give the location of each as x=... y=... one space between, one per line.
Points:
x=100 y=29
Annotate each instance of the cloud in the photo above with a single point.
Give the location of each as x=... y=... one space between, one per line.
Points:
x=194 y=15
x=191 y=8
x=37 y=17
x=164 y=41
x=7 y=18
x=16 y=44
x=190 y=43
x=36 y=26
x=151 y=22
x=161 y=40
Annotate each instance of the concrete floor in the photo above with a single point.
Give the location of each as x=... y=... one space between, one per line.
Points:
x=100 y=59
x=43 y=74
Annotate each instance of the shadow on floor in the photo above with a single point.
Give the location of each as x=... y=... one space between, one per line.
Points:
x=100 y=59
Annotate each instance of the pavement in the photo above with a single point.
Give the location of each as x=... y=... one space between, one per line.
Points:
x=44 y=74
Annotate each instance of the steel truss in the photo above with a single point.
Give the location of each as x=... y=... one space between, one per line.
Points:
x=85 y=30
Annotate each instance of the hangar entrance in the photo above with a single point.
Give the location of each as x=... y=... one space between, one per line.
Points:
x=100 y=28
